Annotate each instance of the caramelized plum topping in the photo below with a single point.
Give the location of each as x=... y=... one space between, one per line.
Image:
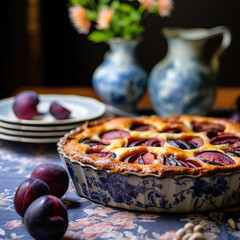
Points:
x=151 y=142
x=103 y=154
x=115 y=134
x=141 y=158
x=235 y=153
x=148 y=158
x=172 y=130
x=91 y=143
x=212 y=163
x=224 y=138
x=132 y=158
x=172 y=161
x=205 y=127
x=197 y=141
x=234 y=150
x=215 y=158
x=192 y=163
x=182 y=144
x=186 y=143
x=211 y=134
x=137 y=126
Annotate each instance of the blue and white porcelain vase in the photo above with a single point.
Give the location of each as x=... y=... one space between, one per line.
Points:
x=120 y=80
x=183 y=82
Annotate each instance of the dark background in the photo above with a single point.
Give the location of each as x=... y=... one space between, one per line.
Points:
x=39 y=46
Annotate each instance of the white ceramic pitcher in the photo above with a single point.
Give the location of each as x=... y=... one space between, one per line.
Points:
x=183 y=82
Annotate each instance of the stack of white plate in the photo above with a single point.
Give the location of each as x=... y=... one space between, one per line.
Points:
x=44 y=128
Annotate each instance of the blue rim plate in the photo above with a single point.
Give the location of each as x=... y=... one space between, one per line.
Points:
x=82 y=109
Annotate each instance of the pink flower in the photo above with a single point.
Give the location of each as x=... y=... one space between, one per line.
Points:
x=79 y=19
x=104 y=18
x=149 y=4
x=165 y=7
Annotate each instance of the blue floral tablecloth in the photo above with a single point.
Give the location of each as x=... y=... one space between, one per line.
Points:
x=88 y=220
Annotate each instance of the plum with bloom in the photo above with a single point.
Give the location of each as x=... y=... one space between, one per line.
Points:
x=58 y=111
x=28 y=191
x=54 y=175
x=46 y=218
x=25 y=105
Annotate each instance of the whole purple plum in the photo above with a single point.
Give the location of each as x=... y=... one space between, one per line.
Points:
x=54 y=175
x=25 y=105
x=58 y=111
x=235 y=116
x=46 y=218
x=28 y=191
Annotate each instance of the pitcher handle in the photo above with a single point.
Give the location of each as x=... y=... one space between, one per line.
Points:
x=226 y=41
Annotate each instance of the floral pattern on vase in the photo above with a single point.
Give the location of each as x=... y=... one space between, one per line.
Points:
x=120 y=80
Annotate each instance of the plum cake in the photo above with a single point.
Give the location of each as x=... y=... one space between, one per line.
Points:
x=170 y=146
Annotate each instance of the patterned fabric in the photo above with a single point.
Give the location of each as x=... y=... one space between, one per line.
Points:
x=88 y=220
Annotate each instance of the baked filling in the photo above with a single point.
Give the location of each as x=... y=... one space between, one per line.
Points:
x=171 y=146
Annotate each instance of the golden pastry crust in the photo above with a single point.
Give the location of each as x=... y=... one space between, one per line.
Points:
x=170 y=146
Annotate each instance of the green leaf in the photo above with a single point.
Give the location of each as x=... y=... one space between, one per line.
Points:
x=92 y=15
x=116 y=28
x=97 y=36
x=101 y=3
x=135 y=16
x=133 y=31
x=126 y=8
x=124 y=22
x=78 y=2
x=74 y=2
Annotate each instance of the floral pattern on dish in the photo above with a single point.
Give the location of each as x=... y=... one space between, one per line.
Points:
x=151 y=193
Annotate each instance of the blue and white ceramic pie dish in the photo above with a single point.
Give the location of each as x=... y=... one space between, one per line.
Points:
x=141 y=164
x=153 y=193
